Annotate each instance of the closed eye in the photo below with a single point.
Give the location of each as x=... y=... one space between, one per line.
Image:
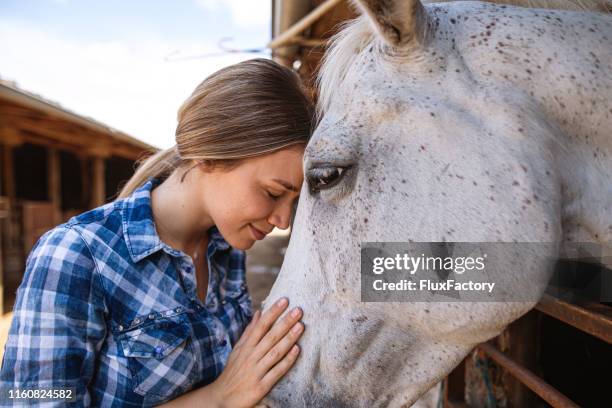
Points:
x=273 y=196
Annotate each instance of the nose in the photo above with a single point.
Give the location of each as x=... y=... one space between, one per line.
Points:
x=281 y=216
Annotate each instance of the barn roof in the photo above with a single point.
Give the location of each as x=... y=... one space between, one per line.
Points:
x=27 y=113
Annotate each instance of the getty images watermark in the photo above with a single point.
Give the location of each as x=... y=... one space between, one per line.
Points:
x=483 y=271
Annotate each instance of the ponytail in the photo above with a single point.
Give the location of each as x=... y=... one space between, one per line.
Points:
x=159 y=164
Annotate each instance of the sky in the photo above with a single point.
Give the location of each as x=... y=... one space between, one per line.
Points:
x=129 y=64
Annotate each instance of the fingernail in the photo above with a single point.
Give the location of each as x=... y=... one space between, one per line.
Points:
x=295 y=312
x=297 y=328
x=282 y=302
x=295 y=349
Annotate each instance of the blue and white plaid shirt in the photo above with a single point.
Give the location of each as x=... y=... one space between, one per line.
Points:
x=109 y=309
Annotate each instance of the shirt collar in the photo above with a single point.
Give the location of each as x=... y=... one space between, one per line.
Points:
x=139 y=227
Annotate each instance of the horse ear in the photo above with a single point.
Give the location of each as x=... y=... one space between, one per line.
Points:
x=399 y=22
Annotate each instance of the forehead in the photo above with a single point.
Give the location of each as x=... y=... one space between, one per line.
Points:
x=284 y=162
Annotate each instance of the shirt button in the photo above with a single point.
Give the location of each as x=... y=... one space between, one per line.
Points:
x=137 y=320
x=178 y=309
x=120 y=327
x=223 y=301
x=151 y=316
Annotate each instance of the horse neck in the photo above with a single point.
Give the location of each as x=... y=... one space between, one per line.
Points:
x=565 y=71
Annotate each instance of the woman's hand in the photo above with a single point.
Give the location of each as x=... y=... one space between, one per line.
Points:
x=262 y=355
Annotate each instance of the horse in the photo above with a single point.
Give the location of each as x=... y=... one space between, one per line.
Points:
x=457 y=121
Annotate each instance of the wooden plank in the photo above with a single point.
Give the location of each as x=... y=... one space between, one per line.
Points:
x=38 y=218
x=295 y=30
x=590 y=317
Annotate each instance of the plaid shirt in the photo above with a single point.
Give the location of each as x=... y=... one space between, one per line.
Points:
x=108 y=308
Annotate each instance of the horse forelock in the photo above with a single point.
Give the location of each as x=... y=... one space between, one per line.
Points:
x=345 y=49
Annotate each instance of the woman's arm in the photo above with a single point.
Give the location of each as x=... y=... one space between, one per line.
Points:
x=262 y=356
x=58 y=320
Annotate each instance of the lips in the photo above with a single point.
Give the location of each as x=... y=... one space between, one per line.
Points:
x=257 y=233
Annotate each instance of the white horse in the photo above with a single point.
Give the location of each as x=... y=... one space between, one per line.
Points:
x=462 y=121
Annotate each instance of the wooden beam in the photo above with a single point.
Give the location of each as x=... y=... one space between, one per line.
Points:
x=590 y=317
x=28 y=132
x=285 y=37
x=14 y=97
x=10 y=136
x=307 y=42
x=547 y=392
x=69 y=137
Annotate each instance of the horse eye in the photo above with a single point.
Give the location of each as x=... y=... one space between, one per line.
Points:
x=321 y=178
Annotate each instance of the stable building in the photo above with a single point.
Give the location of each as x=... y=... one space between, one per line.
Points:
x=54 y=164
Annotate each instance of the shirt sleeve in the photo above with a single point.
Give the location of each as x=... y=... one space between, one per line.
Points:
x=58 y=321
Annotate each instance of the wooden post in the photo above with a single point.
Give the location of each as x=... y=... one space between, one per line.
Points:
x=85 y=182
x=54 y=183
x=99 y=187
x=10 y=138
x=2 y=215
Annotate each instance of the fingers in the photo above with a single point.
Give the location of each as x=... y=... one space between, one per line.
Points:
x=266 y=321
x=278 y=332
x=280 y=349
x=249 y=329
x=281 y=368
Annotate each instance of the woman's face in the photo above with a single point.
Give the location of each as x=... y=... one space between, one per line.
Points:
x=248 y=201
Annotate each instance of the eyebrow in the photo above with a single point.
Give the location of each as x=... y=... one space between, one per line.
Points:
x=286 y=184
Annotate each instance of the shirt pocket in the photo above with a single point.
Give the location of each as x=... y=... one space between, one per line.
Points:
x=160 y=358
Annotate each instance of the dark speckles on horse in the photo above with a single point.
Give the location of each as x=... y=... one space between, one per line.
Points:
x=359 y=319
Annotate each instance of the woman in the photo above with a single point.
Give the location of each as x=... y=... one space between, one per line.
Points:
x=143 y=300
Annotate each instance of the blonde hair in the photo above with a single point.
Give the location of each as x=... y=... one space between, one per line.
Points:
x=243 y=110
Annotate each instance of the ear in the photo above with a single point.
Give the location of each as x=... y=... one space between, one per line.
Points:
x=399 y=22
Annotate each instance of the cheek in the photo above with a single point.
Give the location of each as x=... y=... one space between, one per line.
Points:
x=243 y=211
x=255 y=210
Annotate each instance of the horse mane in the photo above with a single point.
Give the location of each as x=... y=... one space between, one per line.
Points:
x=354 y=35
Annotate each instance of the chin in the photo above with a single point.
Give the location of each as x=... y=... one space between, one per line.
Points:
x=244 y=247
x=242 y=244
